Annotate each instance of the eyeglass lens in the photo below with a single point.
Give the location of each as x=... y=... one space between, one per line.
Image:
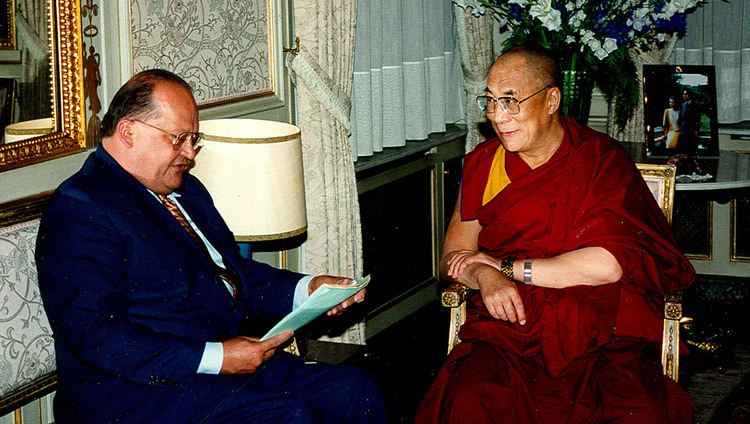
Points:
x=489 y=105
x=509 y=104
x=186 y=137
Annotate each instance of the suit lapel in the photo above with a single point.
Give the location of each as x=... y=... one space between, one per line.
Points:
x=132 y=191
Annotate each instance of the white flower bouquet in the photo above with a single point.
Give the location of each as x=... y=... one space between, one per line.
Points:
x=593 y=35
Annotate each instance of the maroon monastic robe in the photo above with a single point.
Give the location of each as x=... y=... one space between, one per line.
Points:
x=586 y=354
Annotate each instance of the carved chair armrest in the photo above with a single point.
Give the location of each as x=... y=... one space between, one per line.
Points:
x=455 y=295
x=673 y=305
x=670 y=350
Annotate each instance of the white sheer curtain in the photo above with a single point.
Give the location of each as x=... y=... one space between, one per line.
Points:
x=719 y=34
x=407 y=75
x=322 y=72
x=475 y=40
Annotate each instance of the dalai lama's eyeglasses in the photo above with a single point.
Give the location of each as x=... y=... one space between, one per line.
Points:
x=178 y=140
x=510 y=105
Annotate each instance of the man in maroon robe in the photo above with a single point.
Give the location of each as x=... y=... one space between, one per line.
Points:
x=571 y=256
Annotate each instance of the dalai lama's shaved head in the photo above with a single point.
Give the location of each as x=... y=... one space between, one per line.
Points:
x=543 y=68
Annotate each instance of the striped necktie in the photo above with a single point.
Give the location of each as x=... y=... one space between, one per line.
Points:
x=226 y=274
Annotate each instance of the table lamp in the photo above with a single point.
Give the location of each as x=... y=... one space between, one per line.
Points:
x=23 y=130
x=253 y=170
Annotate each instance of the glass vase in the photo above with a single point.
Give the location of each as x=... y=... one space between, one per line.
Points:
x=576 y=89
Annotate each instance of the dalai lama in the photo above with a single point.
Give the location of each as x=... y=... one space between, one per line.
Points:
x=571 y=257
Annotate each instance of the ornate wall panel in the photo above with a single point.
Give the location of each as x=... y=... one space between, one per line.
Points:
x=692 y=224
x=223 y=48
x=92 y=77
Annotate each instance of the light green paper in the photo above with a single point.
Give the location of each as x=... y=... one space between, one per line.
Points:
x=321 y=300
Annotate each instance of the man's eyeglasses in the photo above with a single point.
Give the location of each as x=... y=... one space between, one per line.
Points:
x=178 y=140
x=510 y=105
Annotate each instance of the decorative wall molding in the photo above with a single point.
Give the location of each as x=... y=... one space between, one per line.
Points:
x=92 y=77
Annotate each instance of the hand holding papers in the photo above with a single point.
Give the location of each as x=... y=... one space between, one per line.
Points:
x=321 y=300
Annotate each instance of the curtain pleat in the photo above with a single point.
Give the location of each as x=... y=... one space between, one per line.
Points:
x=477 y=56
x=406 y=75
x=323 y=76
x=719 y=34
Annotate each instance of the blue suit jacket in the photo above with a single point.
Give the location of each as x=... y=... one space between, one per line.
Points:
x=131 y=298
x=690 y=118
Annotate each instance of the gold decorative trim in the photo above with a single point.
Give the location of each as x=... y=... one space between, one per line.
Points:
x=708 y=347
x=454 y=295
x=733 y=257
x=9 y=42
x=68 y=111
x=23 y=210
x=267 y=237
x=92 y=79
x=673 y=305
x=264 y=140
x=27 y=393
x=292 y=347
x=666 y=175
x=28 y=131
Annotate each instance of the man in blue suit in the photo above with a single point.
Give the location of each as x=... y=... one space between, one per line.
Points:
x=148 y=314
x=690 y=124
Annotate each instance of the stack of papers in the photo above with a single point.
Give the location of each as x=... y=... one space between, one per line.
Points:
x=321 y=300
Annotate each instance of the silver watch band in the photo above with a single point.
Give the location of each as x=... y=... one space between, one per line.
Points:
x=527 y=271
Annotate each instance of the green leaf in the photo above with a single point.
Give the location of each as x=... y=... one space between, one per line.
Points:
x=617 y=79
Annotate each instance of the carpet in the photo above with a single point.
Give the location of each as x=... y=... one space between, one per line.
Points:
x=720 y=384
x=718 y=380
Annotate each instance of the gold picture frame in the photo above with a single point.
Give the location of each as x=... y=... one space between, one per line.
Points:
x=68 y=112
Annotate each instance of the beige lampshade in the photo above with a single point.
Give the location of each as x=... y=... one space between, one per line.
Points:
x=253 y=170
x=28 y=129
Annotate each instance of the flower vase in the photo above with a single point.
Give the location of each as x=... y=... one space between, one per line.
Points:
x=576 y=89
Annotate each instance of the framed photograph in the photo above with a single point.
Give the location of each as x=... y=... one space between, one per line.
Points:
x=680 y=110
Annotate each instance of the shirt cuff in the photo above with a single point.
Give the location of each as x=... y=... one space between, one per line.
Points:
x=213 y=358
x=301 y=293
x=213 y=353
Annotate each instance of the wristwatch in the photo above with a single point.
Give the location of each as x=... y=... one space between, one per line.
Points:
x=506 y=266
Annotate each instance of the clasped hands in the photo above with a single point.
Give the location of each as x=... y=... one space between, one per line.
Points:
x=481 y=271
x=244 y=355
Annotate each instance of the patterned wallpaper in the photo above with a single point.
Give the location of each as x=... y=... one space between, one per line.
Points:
x=221 y=47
